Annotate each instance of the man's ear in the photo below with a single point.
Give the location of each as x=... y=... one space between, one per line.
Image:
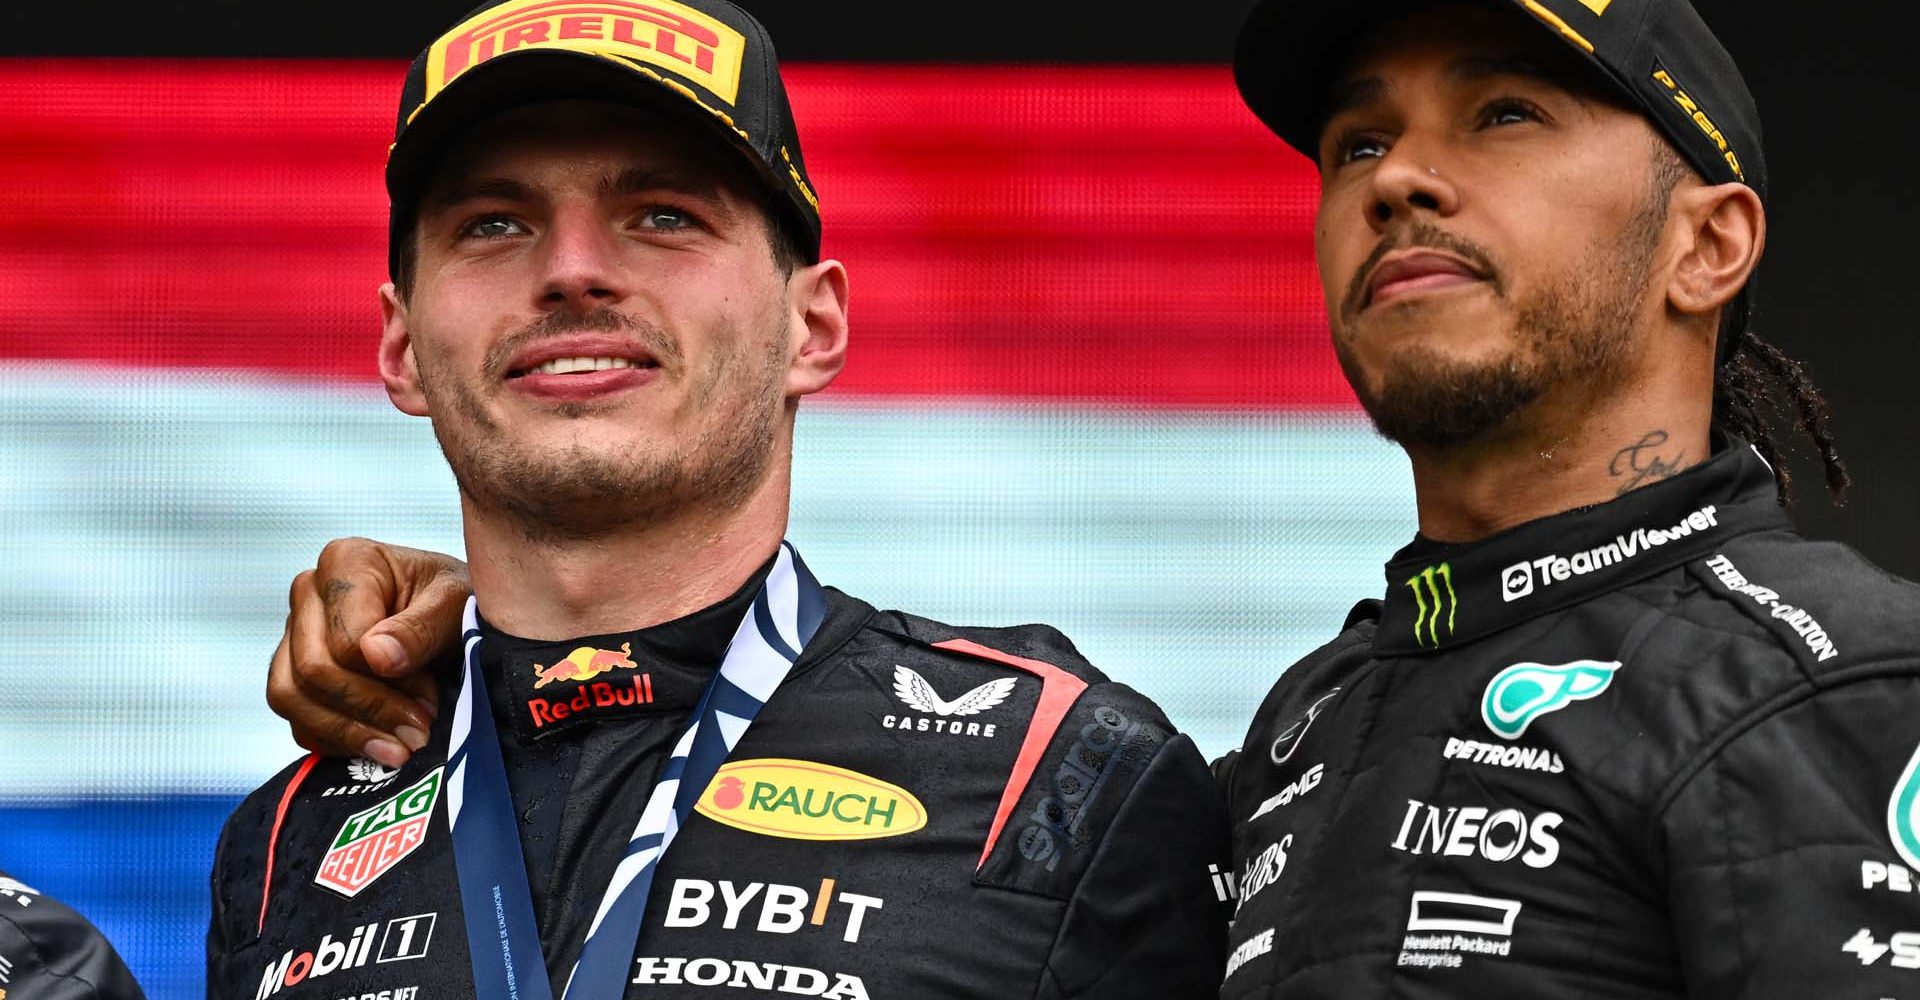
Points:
x=817 y=303
x=398 y=369
x=1724 y=234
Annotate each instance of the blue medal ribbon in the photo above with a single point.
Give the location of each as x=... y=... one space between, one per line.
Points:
x=503 y=938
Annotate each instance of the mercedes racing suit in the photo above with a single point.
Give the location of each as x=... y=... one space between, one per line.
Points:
x=49 y=952
x=1660 y=747
x=928 y=812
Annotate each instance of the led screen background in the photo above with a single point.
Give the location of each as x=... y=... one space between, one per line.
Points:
x=1089 y=386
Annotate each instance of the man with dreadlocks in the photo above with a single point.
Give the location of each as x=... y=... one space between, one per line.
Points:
x=1615 y=730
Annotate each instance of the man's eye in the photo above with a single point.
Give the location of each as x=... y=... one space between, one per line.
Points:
x=493 y=227
x=1358 y=147
x=663 y=217
x=1509 y=111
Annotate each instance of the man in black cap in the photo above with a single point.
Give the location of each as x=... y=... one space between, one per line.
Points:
x=672 y=764
x=1616 y=730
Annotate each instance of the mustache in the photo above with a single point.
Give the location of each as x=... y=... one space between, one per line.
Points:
x=604 y=319
x=1419 y=234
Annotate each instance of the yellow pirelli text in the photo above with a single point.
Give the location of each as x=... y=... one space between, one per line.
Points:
x=1557 y=23
x=661 y=33
x=1692 y=109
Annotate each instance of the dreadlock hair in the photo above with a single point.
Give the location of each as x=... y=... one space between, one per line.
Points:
x=1752 y=391
x=1760 y=393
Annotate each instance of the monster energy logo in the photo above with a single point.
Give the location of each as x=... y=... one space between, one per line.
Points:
x=1432 y=603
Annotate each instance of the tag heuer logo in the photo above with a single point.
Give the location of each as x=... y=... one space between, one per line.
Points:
x=920 y=696
x=1526 y=691
x=372 y=841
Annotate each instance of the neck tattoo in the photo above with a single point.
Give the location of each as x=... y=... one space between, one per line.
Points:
x=1641 y=463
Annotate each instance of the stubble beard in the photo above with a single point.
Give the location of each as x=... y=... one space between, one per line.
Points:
x=1575 y=332
x=577 y=493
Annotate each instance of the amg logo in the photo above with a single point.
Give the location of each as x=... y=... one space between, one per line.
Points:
x=1307 y=782
x=741 y=975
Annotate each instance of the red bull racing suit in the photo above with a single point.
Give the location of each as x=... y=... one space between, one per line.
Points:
x=919 y=811
x=1661 y=747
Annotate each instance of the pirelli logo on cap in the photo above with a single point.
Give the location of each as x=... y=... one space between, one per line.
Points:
x=1691 y=109
x=660 y=33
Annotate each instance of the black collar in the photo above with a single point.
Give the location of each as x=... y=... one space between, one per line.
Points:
x=1444 y=595
x=545 y=688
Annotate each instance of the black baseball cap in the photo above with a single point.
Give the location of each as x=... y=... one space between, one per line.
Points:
x=706 y=63
x=1658 y=55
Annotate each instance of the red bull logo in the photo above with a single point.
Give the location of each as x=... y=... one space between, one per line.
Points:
x=660 y=33
x=584 y=664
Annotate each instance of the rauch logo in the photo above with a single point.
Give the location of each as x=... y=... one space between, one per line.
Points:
x=806 y=800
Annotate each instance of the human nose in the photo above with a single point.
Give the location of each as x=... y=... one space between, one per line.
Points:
x=1411 y=178
x=583 y=267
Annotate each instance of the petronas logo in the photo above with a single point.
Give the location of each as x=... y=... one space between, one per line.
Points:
x=1903 y=813
x=1526 y=691
x=1433 y=597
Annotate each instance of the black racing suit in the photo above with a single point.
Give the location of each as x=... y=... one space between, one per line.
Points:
x=1072 y=847
x=49 y=952
x=1660 y=747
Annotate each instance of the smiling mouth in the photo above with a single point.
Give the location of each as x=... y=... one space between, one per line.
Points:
x=581 y=365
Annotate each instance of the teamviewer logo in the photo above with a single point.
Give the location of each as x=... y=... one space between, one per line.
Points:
x=1516 y=581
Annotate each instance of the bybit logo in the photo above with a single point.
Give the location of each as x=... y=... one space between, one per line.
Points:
x=1433 y=604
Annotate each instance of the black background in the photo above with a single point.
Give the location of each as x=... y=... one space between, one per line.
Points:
x=1834 y=83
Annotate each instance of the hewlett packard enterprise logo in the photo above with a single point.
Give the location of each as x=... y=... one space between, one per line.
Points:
x=1521 y=578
